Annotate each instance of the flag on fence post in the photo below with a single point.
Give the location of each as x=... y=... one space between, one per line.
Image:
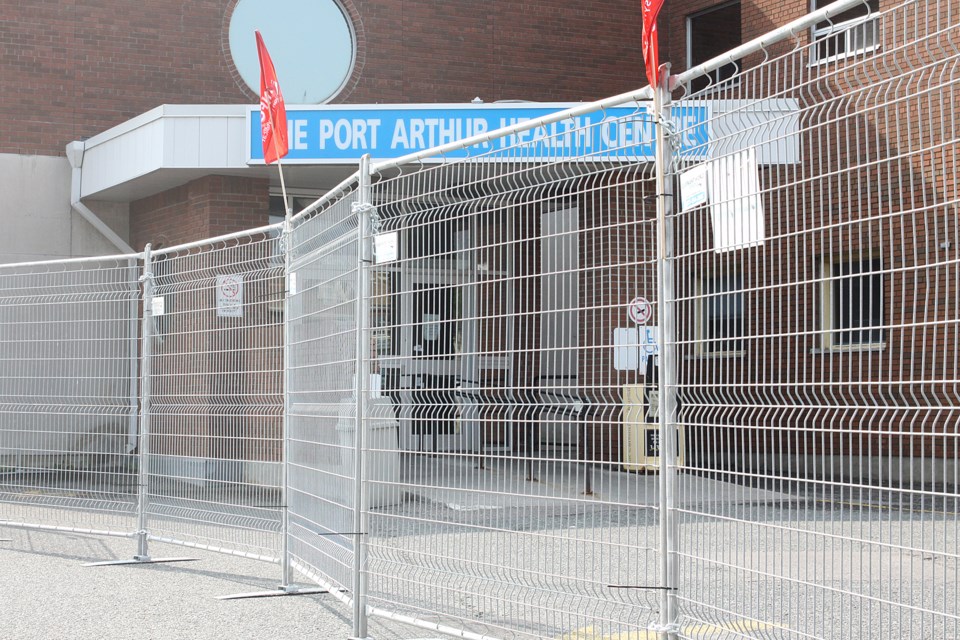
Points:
x=648 y=41
x=273 y=113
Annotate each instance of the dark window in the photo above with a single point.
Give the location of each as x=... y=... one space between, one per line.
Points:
x=857 y=302
x=847 y=33
x=164 y=284
x=723 y=315
x=385 y=313
x=711 y=33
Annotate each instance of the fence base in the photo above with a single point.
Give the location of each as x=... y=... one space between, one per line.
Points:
x=279 y=591
x=138 y=560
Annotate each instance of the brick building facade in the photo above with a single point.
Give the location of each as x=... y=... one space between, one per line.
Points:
x=95 y=71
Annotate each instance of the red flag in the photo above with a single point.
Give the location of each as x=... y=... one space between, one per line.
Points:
x=651 y=58
x=273 y=113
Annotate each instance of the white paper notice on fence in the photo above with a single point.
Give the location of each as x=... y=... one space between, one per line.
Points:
x=230 y=296
x=386 y=247
x=626 y=349
x=736 y=209
x=431 y=326
x=157 y=306
x=694 y=185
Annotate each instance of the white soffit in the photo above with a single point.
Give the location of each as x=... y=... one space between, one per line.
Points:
x=165 y=147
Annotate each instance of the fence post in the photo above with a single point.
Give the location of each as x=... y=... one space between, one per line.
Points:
x=668 y=360
x=286 y=567
x=143 y=441
x=134 y=418
x=363 y=209
x=143 y=445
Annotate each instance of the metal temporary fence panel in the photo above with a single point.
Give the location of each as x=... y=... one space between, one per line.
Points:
x=68 y=394
x=502 y=343
x=216 y=399
x=817 y=315
x=322 y=326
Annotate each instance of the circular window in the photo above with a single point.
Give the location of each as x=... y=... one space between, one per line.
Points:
x=310 y=42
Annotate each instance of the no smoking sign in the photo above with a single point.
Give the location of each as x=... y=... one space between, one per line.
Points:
x=230 y=296
x=640 y=310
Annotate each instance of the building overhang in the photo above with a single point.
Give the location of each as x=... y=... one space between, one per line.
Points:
x=172 y=145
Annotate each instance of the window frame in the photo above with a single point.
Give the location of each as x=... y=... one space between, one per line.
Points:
x=705 y=293
x=829 y=281
x=734 y=79
x=843 y=29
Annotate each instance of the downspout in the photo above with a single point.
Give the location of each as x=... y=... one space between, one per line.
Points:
x=75 y=152
x=75 y=156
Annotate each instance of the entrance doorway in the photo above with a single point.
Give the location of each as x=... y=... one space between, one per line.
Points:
x=427 y=314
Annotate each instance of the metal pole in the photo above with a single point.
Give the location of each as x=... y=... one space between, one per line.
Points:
x=364 y=209
x=668 y=361
x=134 y=420
x=143 y=445
x=286 y=566
x=143 y=449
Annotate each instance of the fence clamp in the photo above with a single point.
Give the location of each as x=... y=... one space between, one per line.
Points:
x=365 y=207
x=147 y=275
x=673 y=628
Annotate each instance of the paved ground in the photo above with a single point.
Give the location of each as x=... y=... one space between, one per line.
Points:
x=501 y=554
x=47 y=594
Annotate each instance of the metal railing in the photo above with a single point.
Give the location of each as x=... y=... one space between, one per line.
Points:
x=675 y=364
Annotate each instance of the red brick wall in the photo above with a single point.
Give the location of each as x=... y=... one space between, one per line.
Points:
x=207 y=207
x=222 y=375
x=72 y=69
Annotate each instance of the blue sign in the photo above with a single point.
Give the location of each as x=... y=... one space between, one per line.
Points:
x=335 y=134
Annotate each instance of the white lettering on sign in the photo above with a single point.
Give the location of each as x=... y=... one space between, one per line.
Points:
x=297 y=134
x=349 y=133
x=418 y=133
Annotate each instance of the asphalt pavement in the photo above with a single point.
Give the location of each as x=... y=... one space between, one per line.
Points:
x=46 y=593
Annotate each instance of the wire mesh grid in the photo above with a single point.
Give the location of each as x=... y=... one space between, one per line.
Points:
x=506 y=313
x=68 y=394
x=323 y=278
x=816 y=277
x=502 y=284
x=216 y=398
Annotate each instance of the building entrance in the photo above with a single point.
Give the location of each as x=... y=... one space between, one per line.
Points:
x=429 y=336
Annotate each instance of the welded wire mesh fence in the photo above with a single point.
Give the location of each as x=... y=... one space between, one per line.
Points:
x=216 y=403
x=68 y=393
x=501 y=280
x=323 y=338
x=440 y=390
x=817 y=332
